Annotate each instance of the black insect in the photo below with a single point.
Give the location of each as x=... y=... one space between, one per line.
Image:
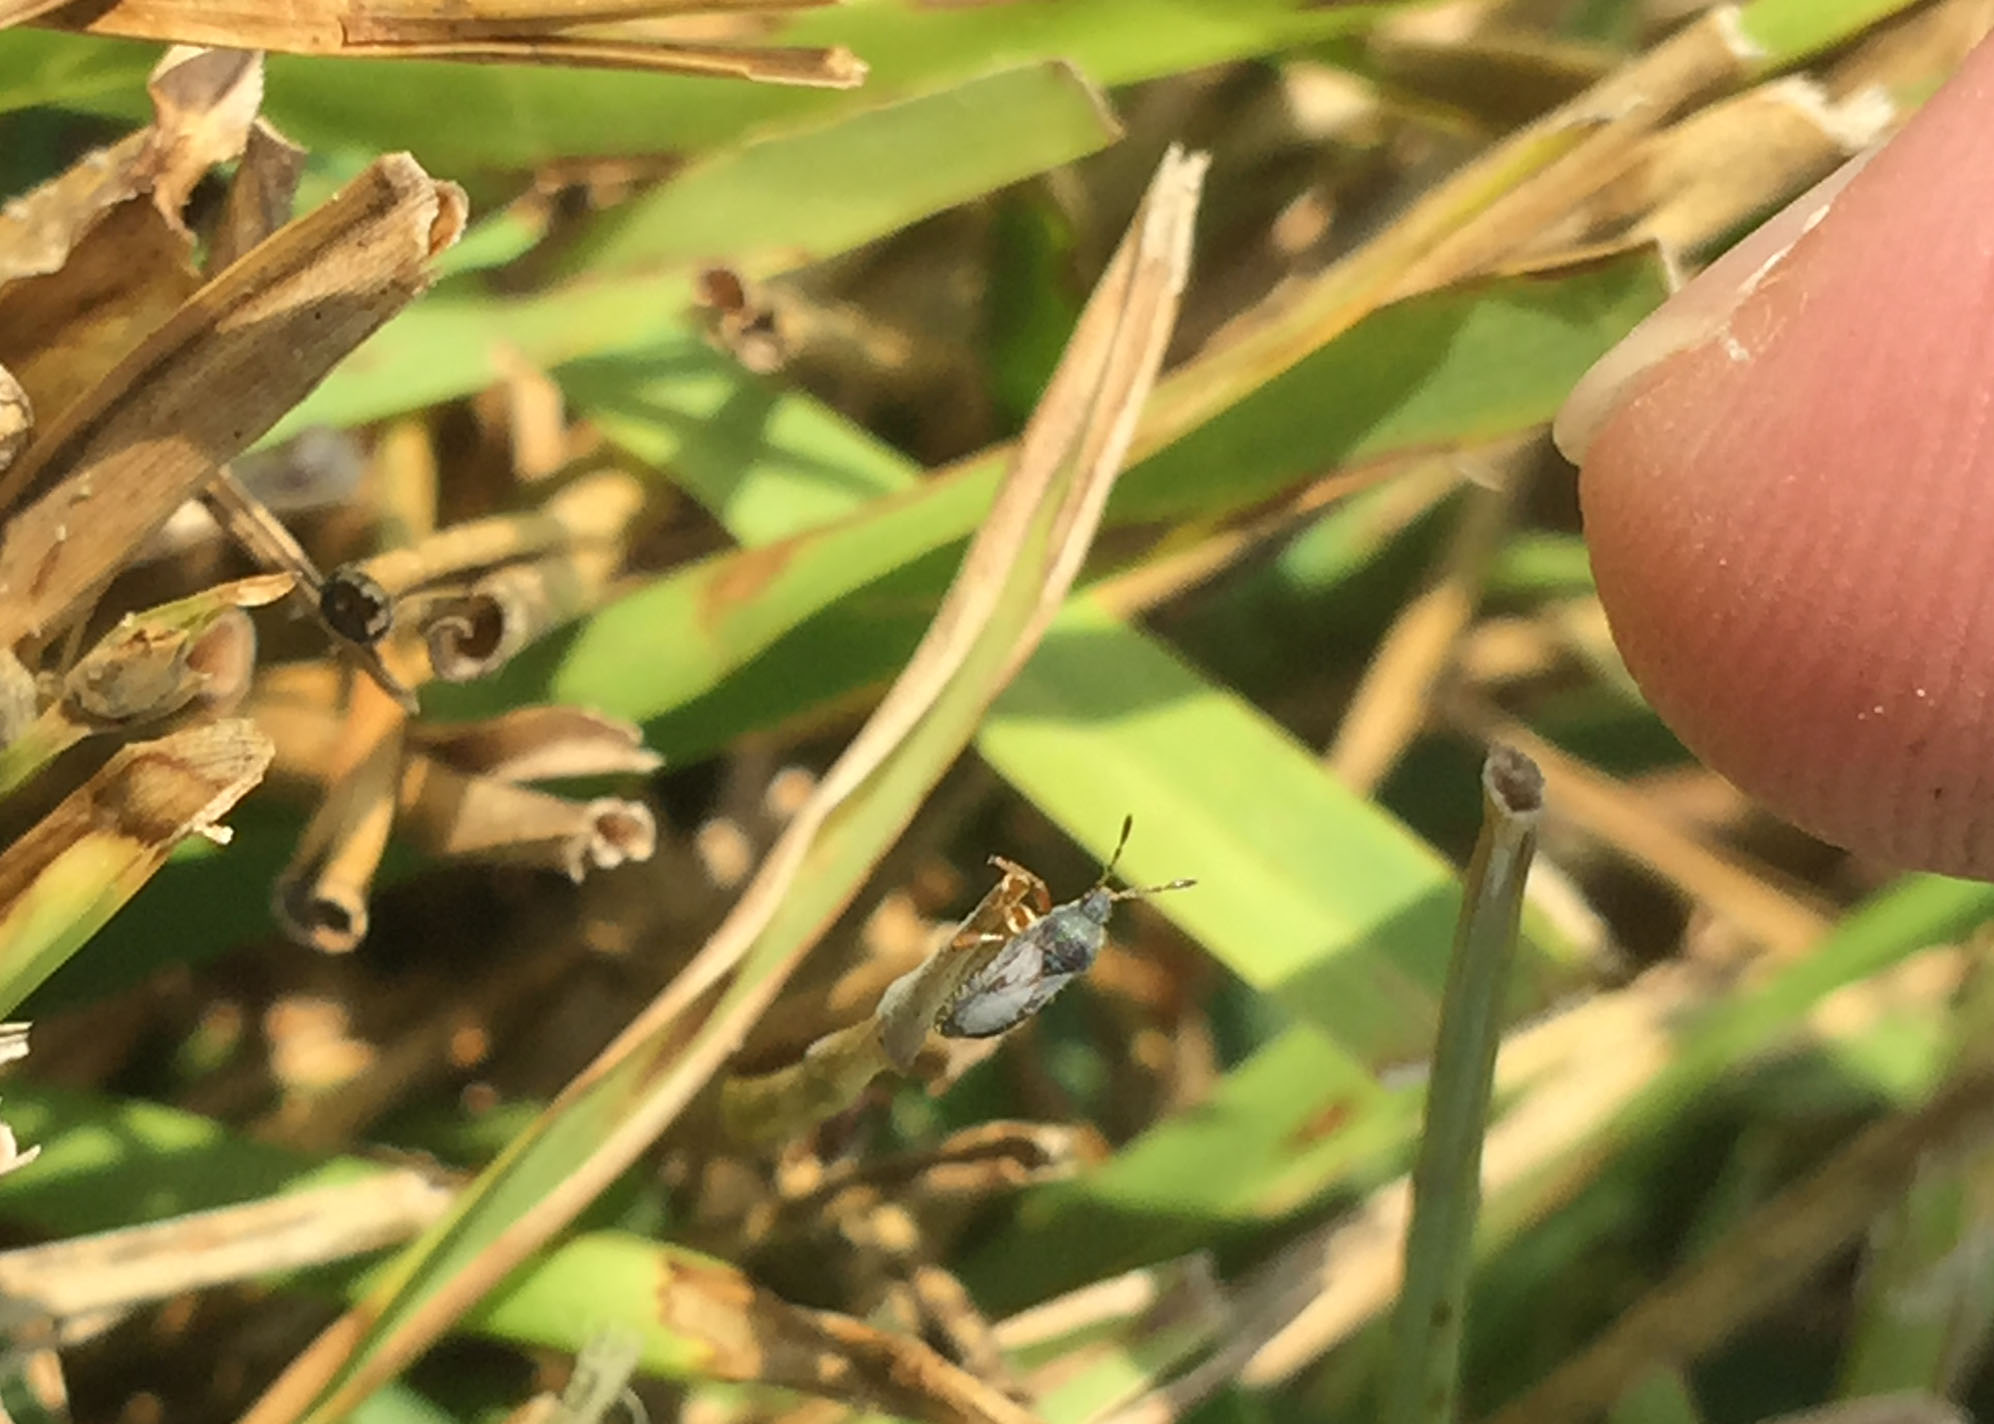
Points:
x=355 y=606
x=1041 y=959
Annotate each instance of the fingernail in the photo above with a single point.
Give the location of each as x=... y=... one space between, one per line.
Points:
x=1694 y=315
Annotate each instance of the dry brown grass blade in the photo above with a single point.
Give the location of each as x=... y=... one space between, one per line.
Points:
x=112 y=1270
x=594 y=508
x=222 y=370
x=320 y=899
x=451 y=814
x=1696 y=183
x=613 y=34
x=1706 y=57
x=442 y=808
x=496 y=584
x=539 y=744
x=754 y=1336
x=97 y=258
x=1158 y=245
x=260 y=196
x=203 y=104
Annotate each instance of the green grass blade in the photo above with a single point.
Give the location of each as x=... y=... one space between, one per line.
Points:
x=765 y=205
x=1423 y=1376
x=1661 y=1397
x=812 y=194
x=1791 y=32
x=456 y=117
x=67 y=875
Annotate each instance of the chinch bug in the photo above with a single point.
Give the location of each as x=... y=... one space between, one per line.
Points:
x=355 y=606
x=1041 y=959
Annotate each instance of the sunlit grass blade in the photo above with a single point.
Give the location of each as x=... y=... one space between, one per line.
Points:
x=443 y=111
x=1422 y=1380
x=72 y=871
x=765 y=205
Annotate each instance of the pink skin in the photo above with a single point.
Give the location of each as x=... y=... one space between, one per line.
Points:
x=1788 y=486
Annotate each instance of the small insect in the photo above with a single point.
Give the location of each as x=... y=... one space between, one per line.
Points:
x=355 y=606
x=1043 y=957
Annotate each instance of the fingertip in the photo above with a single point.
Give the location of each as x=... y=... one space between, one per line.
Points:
x=1790 y=502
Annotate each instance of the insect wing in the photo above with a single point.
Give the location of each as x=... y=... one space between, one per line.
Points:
x=915 y=1002
x=999 y=994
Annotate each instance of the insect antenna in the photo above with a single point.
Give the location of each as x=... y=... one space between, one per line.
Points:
x=1107 y=870
x=1138 y=892
x=1132 y=892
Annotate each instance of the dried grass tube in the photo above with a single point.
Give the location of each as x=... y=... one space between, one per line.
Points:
x=320 y=900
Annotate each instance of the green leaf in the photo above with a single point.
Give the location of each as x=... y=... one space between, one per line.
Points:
x=814 y=193
x=1790 y=32
x=764 y=206
x=837 y=606
x=1296 y=1114
x=1307 y=891
x=456 y=117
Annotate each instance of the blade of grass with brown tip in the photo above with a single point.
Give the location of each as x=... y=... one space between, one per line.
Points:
x=72 y=871
x=535 y=34
x=616 y=1108
x=223 y=368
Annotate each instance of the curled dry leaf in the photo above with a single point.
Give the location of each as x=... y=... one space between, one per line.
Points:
x=595 y=508
x=617 y=34
x=500 y=583
x=320 y=899
x=538 y=744
x=452 y=814
x=96 y=259
x=451 y=811
x=200 y=649
x=221 y=371
x=64 y=878
x=259 y=196
x=475 y=633
x=204 y=101
x=17 y=417
x=196 y=655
